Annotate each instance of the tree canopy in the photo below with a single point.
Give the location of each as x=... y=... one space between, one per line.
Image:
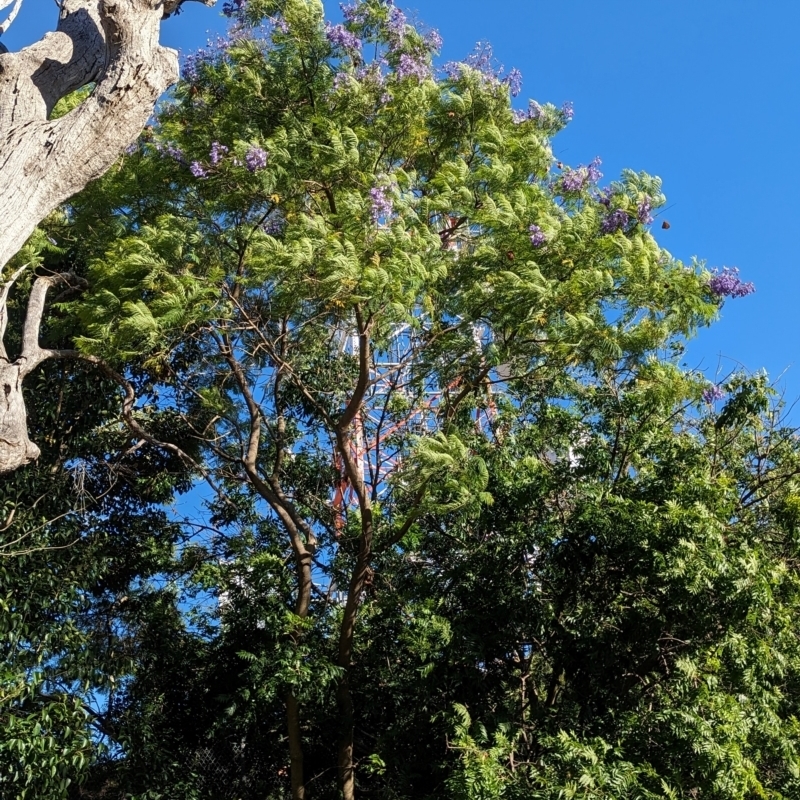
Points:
x=468 y=529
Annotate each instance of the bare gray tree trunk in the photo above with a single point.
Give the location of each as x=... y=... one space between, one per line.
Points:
x=114 y=45
x=43 y=162
x=16 y=449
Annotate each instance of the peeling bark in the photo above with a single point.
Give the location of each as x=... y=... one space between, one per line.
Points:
x=43 y=162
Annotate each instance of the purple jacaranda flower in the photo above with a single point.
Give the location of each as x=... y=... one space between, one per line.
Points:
x=386 y=98
x=604 y=196
x=214 y=52
x=198 y=170
x=410 y=67
x=574 y=180
x=537 y=235
x=482 y=59
x=339 y=36
x=340 y=79
x=453 y=69
x=172 y=151
x=535 y=111
x=381 y=204
x=514 y=81
x=274 y=223
x=712 y=394
x=615 y=221
x=217 y=153
x=643 y=210
x=354 y=14
x=255 y=159
x=191 y=65
x=371 y=73
x=281 y=25
x=518 y=116
x=396 y=24
x=728 y=284
x=593 y=171
x=131 y=148
x=568 y=111
x=433 y=41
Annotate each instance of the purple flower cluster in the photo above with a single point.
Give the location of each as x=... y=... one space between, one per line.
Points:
x=172 y=151
x=255 y=159
x=518 y=116
x=712 y=394
x=381 y=204
x=604 y=196
x=213 y=53
x=535 y=111
x=410 y=67
x=433 y=41
x=397 y=24
x=217 y=153
x=198 y=170
x=576 y=180
x=728 y=284
x=593 y=173
x=537 y=236
x=643 y=211
x=372 y=73
x=354 y=14
x=340 y=79
x=281 y=25
x=573 y=180
x=617 y=220
x=339 y=36
x=453 y=69
x=514 y=81
x=274 y=224
x=482 y=60
x=568 y=111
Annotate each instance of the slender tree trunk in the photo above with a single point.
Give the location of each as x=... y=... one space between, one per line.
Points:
x=270 y=491
x=352 y=459
x=300 y=535
x=302 y=607
x=344 y=695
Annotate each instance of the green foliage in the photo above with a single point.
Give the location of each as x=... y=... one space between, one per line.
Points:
x=324 y=277
x=71 y=101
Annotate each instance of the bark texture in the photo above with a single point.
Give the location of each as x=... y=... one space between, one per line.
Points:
x=112 y=44
x=16 y=449
x=43 y=162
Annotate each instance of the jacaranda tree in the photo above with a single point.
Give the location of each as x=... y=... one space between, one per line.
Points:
x=428 y=377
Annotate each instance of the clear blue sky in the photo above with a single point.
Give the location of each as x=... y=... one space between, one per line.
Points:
x=700 y=92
